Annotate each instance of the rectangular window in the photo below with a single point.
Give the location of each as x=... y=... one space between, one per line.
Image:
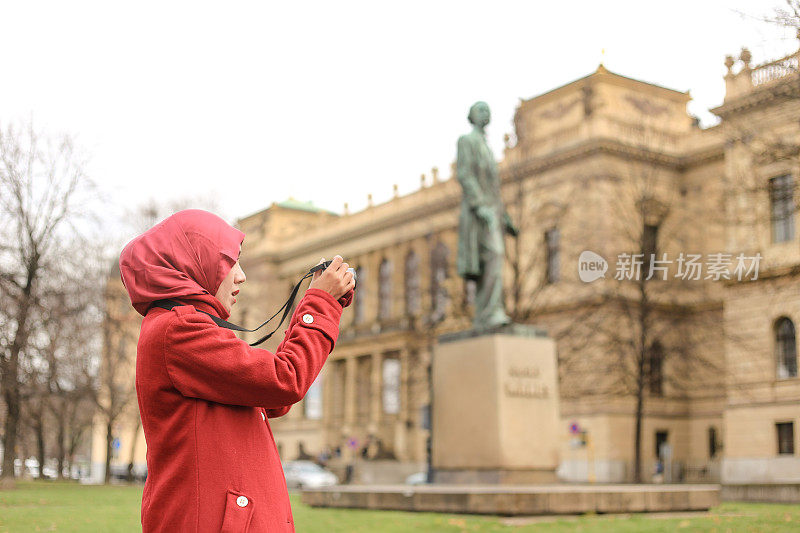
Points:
x=391 y=385
x=781 y=199
x=312 y=403
x=661 y=442
x=785 y=438
x=551 y=239
x=713 y=445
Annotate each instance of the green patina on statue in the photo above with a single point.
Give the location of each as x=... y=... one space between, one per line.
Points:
x=482 y=222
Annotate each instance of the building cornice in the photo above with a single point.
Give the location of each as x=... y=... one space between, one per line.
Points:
x=443 y=203
x=589 y=148
x=443 y=200
x=767 y=274
x=592 y=147
x=703 y=157
x=768 y=95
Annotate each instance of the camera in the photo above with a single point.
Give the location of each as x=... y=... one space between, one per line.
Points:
x=326 y=264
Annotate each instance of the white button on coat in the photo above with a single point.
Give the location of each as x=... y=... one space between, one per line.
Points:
x=308 y=319
x=242 y=501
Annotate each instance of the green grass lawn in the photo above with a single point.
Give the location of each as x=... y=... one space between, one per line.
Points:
x=49 y=506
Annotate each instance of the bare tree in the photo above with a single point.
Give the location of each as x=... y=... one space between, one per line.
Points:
x=33 y=398
x=788 y=17
x=71 y=324
x=657 y=333
x=42 y=187
x=144 y=216
x=116 y=390
x=57 y=376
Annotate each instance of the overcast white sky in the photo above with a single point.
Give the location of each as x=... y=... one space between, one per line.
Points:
x=251 y=103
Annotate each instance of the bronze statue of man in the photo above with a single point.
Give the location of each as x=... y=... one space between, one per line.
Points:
x=482 y=222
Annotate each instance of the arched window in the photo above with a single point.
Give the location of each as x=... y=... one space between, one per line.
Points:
x=439 y=298
x=412 y=283
x=782 y=207
x=785 y=348
x=385 y=289
x=359 y=296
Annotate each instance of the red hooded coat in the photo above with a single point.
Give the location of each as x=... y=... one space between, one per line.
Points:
x=205 y=395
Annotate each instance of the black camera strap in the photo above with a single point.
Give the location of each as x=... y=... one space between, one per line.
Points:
x=286 y=308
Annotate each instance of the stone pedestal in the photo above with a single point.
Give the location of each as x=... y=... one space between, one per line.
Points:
x=495 y=407
x=518 y=500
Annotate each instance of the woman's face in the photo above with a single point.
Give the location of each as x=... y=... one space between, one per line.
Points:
x=229 y=287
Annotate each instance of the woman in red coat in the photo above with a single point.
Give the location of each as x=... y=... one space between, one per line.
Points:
x=205 y=395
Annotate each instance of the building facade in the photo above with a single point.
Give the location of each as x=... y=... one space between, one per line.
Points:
x=684 y=336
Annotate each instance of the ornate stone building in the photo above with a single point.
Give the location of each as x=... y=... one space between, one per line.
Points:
x=609 y=165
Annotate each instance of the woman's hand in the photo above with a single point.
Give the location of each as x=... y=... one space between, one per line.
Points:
x=335 y=280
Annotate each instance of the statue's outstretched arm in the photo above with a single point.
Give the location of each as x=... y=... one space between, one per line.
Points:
x=510 y=227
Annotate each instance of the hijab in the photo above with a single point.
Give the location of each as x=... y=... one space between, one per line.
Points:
x=185 y=257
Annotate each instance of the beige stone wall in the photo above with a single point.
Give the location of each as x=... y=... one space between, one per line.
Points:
x=759 y=121
x=751 y=429
x=608 y=457
x=757 y=398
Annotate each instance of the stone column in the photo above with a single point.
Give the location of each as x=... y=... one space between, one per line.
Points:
x=401 y=431
x=376 y=396
x=425 y=362
x=327 y=403
x=349 y=405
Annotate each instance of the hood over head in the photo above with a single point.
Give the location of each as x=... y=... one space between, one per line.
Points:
x=185 y=257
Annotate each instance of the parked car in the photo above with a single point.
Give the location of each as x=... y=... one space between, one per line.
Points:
x=417 y=478
x=307 y=475
x=120 y=472
x=31 y=468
